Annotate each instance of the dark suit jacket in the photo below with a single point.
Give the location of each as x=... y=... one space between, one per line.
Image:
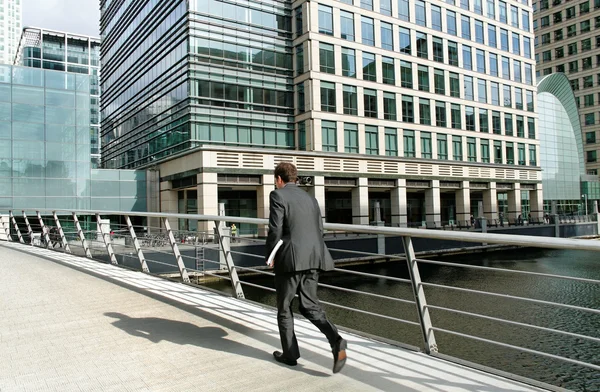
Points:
x=295 y=218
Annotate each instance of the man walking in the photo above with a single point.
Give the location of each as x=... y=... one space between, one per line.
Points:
x=295 y=218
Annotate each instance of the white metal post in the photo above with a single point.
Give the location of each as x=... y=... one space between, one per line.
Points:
x=226 y=251
x=182 y=270
x=136 y=244
x=29 y=231
x=419 y=293
x=81 y=234
x=107 y=243
x=44 y=229
x=6 y=227
x=14 y=222
x=63 y=239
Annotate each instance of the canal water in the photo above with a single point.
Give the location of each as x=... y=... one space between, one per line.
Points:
x=582 y=264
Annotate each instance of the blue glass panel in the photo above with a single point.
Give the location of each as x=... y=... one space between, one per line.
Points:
x=5 y=94
x=6 y=202
x=83 y=101
x=5 y=148
x=83 y=117
x=105 y=203
x=60 y=98
x=82 y=83
x=5 y=187
x=57 y=115
x=83 y=135
x=63 y=187
x=28 y=168
x=61 y=169
x=60 y=80
x=28 y=131
x=28 y=76
x=28 y=94
x=66 y=203
x=60 y=133
x=83 y=169
x=28 y=149
x=135 y=204
x=28 y=113
x=29 y=187
x=103 y=174
x=5 y=132
x=5 y=73
x=60 y=152
x=29 y=202
x=83 y=153
x=83 y=203
x=5 y=165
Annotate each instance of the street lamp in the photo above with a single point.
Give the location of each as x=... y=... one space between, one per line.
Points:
x=585 y=200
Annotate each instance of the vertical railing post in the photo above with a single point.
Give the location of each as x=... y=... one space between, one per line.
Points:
x=182 y=270
x=14 y=222
x=225 y=248
x=136 y=244
x=63 y=239
x=29 y=231
x=44 y=229
x=6 y=227
x=107 y=243
x=419 y=293
x=81 y=235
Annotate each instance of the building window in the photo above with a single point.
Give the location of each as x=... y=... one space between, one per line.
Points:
x=422 y=45
x=465 y=27
x=389 y=106
x=497 y=152
x=508 y=124
x=440 y=114
x=479 y=32
x=545 y=39
x=530 y=128
x=302 y=135
x=468 y=87
x=408 y=112
x=348 y=63
x=584 y=8
x=426 y=145
x=493 y=64
x=326 y=56
x=438 y=50
x=329 y=135
x=299 y=22
x=485 y=150
x=481 y=91
x=387 y=40
x=571 y=31
x=424 y=112
x=590 y=137
x=518 y=98
x=496 y=123
x=478 y=7
x=406 y=79
x=480 y=58
x=584 y=27
x=369 y=67
x=471 y=149
x=371 y=140
x=451 y=22
x=387 y=68
x=404 y=10
x=521 y=149
x=467 y=58
x=492 y=36
x=455 y=118
x=325 y=20
x=327 y=97
x=484 y=125
x=301 y=98
x=507 y=96
x=436 y=18
x=385 y=7
x=504 y=40
x=455 y=85
x=391 y=142
x=368 y=31
x=588 y=100
x=520 y=126
x=366 y=4
x=439 y=83
x=299 y=60
x=510 y=153
x=409 y=143
x=558 y=35
x=347 y=25
x=457 y=153
x=370 y=102
x=546 y=56
x=453 y=53
x=423 y=78
x=469 y=118
x=532 y=155
x=516 y=44
x=420 y=16
x=590 y=119
x=590 y=156
x=495 y=93
x=442 y=146
x=588 y=81
x=505 y=68
x=491 y=9
x=350 y=100
x=586 y=44
x=405 y=44
x=586 y=63
x=529 y=100
x=351 y=138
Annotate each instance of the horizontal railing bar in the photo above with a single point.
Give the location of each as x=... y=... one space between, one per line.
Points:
x=523 y=349
x=572 y=334
x=257 y=286
x=262 y=272
x=503 y=239
x=235 y=252
x=358 y=252
x=370 y=313
x=444 y=263
x=365 y=293
x=215 y=275
x=537 y=301
x=376 y=276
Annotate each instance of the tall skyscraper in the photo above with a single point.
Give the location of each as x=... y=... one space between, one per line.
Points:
x=426 y=107
x=59 y=51
x=11 y=21
x=568 y=41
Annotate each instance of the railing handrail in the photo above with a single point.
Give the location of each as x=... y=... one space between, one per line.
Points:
x=491 y=238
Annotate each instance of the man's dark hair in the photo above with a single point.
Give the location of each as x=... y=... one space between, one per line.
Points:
x=287 y=171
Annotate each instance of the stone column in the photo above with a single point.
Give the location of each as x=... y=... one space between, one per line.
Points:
x=514 y=203
x=463 y=203
x=536 y=203
x=168 y=204
x=262 y=201
x=432 y=204
x=360 y=202
x=318 y=192
x=208 y=200
x=490 y=203
x=398 y=199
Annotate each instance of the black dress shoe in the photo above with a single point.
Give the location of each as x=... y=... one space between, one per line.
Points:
x=339 y=355
x=281 y=359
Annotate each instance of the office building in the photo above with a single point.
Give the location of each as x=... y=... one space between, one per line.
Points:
x=568 y=41
x=10 y=28
x=45 y=147
x=425 y=107
x=49 y=49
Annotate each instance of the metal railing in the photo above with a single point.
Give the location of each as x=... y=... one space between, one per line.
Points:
x=168 y=251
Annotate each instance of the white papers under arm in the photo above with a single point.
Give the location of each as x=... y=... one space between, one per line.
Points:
x=271 y=258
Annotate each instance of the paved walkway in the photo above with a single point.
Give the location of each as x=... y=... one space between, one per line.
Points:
x=71 y=324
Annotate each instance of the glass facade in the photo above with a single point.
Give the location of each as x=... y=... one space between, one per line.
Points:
x=72 y=53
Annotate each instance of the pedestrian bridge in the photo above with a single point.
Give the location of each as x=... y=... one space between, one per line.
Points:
x=68 y=323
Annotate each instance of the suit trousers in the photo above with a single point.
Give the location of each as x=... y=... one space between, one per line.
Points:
x=303 y=283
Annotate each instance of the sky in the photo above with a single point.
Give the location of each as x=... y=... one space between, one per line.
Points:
x=71 y=16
